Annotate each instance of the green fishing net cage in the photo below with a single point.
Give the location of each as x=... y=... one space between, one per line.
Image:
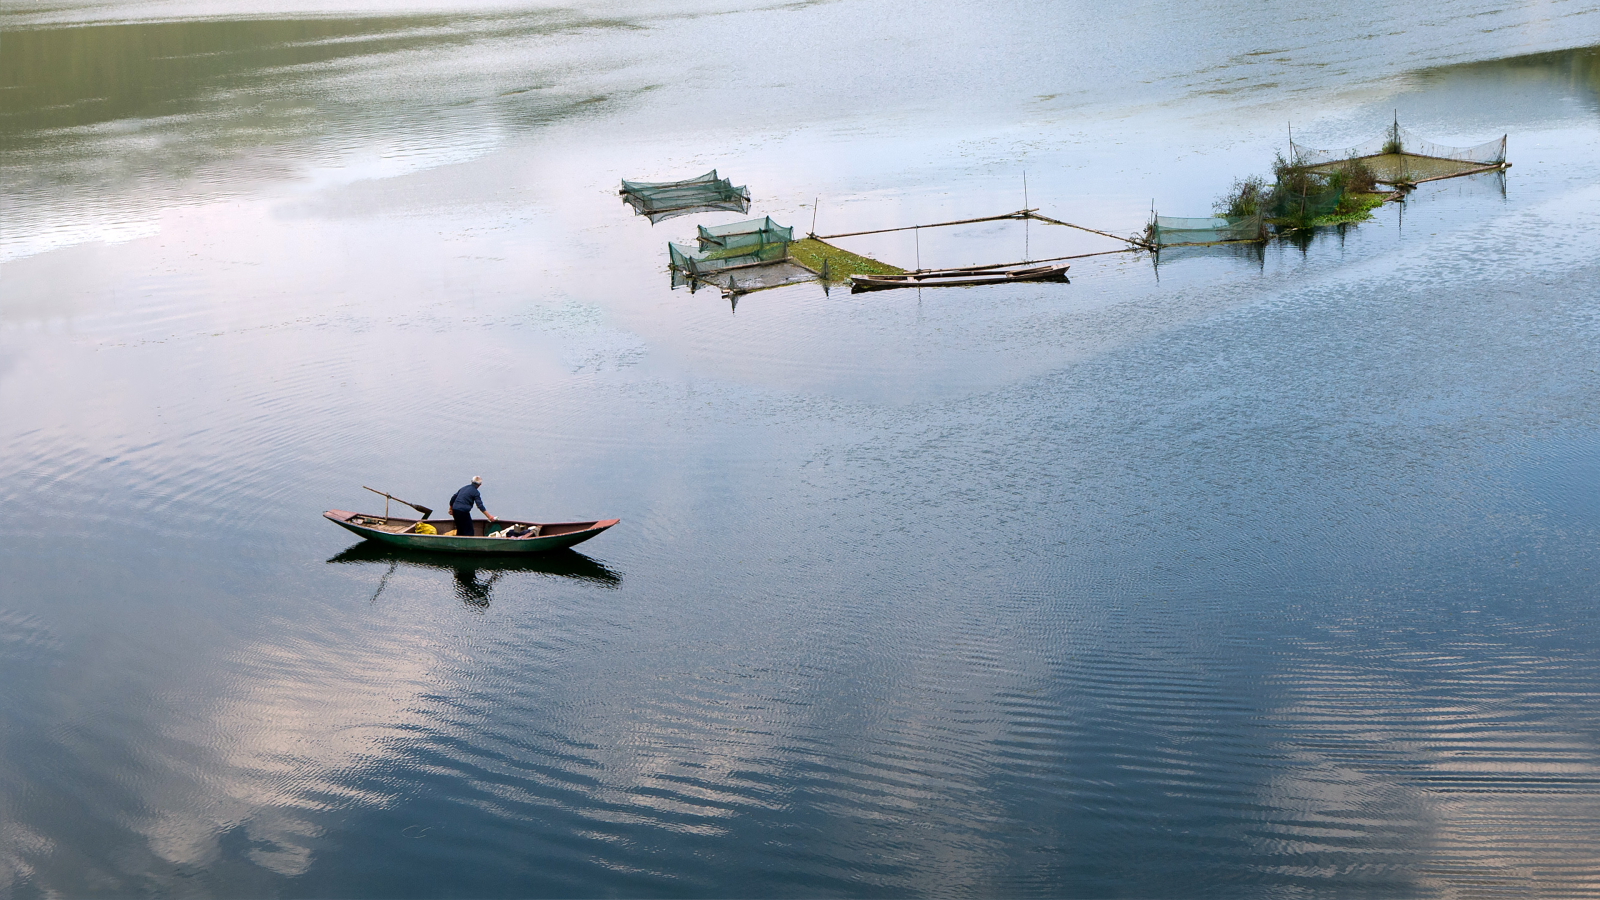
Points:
x=721 y=247
x=664 y=199
x=1169 y=231
x=1400 y=157
x=738 y=257
x=699 y=263
x=756 y=232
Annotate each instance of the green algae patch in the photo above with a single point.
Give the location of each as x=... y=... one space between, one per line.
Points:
x=1354 y=207
x=841 y=264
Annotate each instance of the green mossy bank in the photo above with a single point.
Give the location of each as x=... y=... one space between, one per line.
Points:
x=841 y=264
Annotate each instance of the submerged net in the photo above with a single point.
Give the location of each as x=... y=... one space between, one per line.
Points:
x=743 y=280
x=1398 y=156
x=1254 y=251
x=665 y=199
x=1170 y=231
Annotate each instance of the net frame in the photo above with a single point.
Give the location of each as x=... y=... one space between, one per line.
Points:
x=633 y=187
x=754 y=232
x=1399 y=155
x=1177 y=231
x=697 y=263
x=664 y=199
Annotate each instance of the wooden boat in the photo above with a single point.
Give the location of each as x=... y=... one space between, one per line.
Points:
x=963 y=277
x=402 y=533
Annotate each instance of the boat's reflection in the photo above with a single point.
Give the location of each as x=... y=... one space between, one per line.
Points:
x=475 y=576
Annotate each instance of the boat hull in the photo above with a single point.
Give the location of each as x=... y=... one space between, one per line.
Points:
x=561 y=536
x=971 y=277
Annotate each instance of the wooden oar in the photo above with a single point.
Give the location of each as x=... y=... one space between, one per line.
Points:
x=426 y=512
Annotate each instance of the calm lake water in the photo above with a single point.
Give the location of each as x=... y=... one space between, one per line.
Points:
x=1247 y=574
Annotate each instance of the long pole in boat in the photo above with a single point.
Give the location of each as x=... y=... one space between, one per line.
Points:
x=426 y=511
x=814 y=213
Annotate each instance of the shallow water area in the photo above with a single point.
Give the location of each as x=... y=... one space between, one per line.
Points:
x=1244 y=571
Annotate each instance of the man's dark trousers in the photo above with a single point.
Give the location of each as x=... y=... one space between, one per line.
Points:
x=464 y=526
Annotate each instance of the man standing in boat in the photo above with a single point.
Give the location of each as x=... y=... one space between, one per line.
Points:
x=461 y=507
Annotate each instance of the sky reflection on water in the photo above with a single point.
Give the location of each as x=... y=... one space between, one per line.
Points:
x=1247 y=574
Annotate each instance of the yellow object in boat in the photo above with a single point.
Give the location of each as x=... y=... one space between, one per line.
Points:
x=425 y=528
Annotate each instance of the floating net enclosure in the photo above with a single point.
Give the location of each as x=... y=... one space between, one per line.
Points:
x=1400 y=157
x=1172 y=231
x=665 y=199
x=697 y=263
x=754 y=233
x=743 y=256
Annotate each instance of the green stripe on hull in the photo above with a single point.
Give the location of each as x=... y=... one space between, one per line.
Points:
x=491 y=546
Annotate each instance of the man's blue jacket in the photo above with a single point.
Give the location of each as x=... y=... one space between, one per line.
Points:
x=466 y=498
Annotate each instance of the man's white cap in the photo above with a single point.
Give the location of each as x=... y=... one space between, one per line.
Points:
x=477 y=479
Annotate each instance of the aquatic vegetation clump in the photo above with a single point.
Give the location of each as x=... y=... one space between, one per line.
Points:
x=1300 y=198
x=1353 y=207
x=1358 y=178
x=1300 y=195
x=1247 y=197
x=838 y=265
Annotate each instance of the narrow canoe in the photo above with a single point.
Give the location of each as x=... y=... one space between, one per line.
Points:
x=396 y=531
x=957 y=278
